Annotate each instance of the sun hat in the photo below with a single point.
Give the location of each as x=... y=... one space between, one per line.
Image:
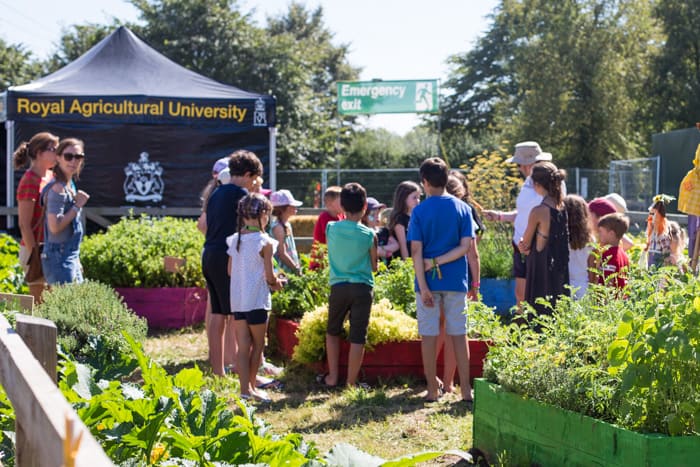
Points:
x=220 y=165
x=529 y=152
x=618 y=201
x=283 y=198
x=601 y=207
x=373 y=204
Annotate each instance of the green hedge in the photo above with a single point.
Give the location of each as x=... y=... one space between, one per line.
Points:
x=130 y=253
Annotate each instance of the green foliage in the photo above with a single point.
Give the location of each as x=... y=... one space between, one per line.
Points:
x=130 y=253
x=17 y=66
x=302 y=293
x=496 y=251
x=83 y=311
x=627 y=359
x=655 y=353
x=173 y=419
x=568 y=74
x=396 y=284
x=11 y=274
x=386 y=324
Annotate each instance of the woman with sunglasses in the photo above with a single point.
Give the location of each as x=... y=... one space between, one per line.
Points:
x=64 y=229
x=40 y=153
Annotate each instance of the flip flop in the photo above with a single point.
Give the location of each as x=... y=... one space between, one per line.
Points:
x=272 y=384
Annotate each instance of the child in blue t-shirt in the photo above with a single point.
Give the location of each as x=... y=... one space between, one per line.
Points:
x=441 y=233
x=352 y=258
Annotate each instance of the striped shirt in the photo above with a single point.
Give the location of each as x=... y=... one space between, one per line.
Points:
x=29 y=189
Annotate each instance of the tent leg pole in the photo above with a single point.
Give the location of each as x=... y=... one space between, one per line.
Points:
x=9 y=176
x=273 y=158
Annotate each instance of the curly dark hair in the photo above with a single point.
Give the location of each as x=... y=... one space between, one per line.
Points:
x=579 y=227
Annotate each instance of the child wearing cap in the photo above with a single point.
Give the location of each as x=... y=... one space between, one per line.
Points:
x=284 y=206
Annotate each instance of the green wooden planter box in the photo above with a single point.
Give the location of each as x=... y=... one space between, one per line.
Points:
x=531 y=432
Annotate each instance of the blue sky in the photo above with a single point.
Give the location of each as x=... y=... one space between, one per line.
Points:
x=389 y=39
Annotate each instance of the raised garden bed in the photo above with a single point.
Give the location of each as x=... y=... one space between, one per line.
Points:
x=530 y=432
x=386 y=360
x=167 y=307
x=498 y=293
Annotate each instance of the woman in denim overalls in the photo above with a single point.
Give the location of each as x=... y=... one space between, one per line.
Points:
x=64 y=229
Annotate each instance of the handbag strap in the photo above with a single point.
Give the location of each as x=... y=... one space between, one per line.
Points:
x=42 y=203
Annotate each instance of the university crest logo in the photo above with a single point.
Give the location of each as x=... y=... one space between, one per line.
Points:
x=143 y=180
x=260 y=114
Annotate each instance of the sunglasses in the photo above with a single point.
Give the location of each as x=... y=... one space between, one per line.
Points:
x=69 y=156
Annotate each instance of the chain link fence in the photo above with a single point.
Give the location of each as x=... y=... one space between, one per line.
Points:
x=636 y=180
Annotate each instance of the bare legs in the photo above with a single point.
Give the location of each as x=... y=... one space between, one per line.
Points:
x=251 y=340
x=215 y=335
x=355 y=356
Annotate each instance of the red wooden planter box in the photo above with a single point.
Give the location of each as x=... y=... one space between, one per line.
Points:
x=386 y=360
x=167 y=307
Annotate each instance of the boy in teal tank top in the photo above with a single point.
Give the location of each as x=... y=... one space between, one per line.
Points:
x=352 y=258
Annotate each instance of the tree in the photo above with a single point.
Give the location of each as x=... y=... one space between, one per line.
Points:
x=293 y=59
x=377 y=148
x=569 y=74
x=17 y=65
x=75 y=41
x=675 y=83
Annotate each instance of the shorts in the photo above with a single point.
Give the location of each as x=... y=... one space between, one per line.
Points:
x=24 y=254
x=518 y=263
x=215 y=270
x=258 y=316
x=355 y=299
x=453 y=304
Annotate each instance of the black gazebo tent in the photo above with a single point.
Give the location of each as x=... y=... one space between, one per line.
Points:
x=152 y=128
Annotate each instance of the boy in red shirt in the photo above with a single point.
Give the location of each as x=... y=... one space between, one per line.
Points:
x=613 y=261
x=332 y=213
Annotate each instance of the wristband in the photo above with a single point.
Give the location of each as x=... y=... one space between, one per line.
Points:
x=75 y=208
x=476 y=285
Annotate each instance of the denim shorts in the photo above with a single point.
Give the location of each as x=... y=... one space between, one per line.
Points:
x=453 y=304
x=61 y=263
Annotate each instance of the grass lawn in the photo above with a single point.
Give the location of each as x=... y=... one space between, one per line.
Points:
x=389 y=420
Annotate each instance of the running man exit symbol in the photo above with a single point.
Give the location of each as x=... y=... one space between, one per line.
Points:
x=424 y=97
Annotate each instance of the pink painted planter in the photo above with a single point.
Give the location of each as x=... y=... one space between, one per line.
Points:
x=386 y=360
x=167 y=307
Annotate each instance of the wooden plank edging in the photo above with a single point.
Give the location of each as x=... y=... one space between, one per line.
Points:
x=40 y=408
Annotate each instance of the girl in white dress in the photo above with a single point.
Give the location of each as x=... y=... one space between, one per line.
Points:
x=252 y=278
x=580 y=244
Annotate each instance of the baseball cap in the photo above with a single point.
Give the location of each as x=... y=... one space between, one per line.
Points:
x=373 y=204
x=220 y=165
x=601 y=207
x=224 y=176
x=284 y=198
x=529 y=152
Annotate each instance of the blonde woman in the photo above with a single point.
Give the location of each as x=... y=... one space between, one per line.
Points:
x=64 y=207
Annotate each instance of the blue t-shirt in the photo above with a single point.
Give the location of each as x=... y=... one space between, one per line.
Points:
x=349 y=245
x=222 y=215
x=440 y=223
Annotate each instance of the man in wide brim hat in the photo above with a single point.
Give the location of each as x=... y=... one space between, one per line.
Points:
x=526 y=154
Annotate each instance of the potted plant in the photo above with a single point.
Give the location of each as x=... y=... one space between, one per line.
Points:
x=131 y=257
x=609 y=380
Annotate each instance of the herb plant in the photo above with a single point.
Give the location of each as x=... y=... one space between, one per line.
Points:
x=83 y=311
